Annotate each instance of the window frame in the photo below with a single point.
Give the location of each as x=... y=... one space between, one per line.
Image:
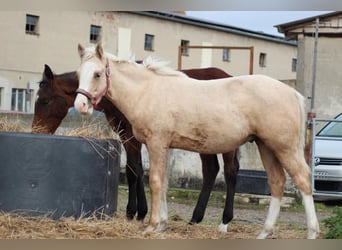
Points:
x=32 y=24
x=294 y=65
x=226 y=55
x=16 y=104
x=95 y=37
x=262 y=59
x=185 y=51
x=149 y=44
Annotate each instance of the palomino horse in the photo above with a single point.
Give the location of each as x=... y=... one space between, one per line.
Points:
x=57 y=94
x=167 y=109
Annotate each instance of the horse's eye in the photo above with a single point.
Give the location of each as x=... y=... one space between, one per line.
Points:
x=44 y=101
x=42 y=84
x=97 y=75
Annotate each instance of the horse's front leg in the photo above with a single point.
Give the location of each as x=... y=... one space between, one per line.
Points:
x=158 y=186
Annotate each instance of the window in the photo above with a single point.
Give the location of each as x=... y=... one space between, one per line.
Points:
x=149 y=42
x=262 y=59
x=95 y=32
x=226 y=55
x=20 y=100
x=294 y=65
x=185 y=51
x=32 y=24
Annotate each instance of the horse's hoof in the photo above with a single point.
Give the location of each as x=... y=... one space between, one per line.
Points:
x=265 y=233
x=157 y=228
x=129 y=216
x=140 y=218
x=222 y=228
x=161 y=226
x=312 y=234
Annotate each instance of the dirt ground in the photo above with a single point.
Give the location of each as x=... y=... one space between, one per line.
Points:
x=247 y=223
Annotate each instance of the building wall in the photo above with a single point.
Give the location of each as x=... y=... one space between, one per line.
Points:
x=23 y=55
x=168 y=35
x=327 y=101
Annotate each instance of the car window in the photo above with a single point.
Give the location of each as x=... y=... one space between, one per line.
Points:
x=332 y=129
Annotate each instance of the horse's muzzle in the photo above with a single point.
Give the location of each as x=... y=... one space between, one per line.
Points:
x=83 y=105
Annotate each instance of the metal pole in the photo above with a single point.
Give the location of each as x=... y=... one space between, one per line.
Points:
x=314 y=66
x=311 y=114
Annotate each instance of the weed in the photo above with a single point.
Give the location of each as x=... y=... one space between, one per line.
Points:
x=334 y=224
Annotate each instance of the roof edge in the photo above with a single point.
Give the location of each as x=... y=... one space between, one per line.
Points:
x=216 y=26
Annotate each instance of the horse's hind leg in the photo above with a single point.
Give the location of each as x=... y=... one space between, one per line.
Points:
x=300 y=173
x=210 y=168
x=231 y=167
x=276 y=181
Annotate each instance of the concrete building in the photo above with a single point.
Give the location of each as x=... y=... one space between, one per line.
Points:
x=34 y=38
x=328 y=87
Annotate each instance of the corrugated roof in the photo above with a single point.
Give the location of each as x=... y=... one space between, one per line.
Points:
x=215 y=26
x=283 y=27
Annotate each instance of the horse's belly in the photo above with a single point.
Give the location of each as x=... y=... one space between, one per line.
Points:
x=206 y=145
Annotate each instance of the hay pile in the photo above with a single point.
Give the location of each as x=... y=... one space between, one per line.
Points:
x=93 y=129
x=13 y=226
x=89 y=128
x=7 y=125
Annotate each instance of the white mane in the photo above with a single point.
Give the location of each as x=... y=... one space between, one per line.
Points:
x=160 y=66
x=153 y=63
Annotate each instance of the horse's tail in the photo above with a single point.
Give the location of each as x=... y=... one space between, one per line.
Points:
x=302 y=122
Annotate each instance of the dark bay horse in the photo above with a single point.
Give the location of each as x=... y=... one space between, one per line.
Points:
x=168 y=109
x=57 y=94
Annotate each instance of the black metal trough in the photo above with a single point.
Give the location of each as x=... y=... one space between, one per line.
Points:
x=58 y=175
x=252 y=182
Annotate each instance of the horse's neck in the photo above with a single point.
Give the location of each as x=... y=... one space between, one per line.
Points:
x=68 y=82
x=128 y=87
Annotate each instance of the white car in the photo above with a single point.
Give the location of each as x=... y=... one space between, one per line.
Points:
x=328 y=161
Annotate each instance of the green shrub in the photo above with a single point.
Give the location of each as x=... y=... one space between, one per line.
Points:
x=334 y=224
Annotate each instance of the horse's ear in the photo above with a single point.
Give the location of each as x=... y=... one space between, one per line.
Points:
x=99 y=51
x=47 y=72
x=80 y=50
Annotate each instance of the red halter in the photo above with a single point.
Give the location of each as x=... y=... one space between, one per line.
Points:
x=94 y=99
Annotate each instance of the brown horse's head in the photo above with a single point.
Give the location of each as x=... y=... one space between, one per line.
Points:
x=55 y=96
